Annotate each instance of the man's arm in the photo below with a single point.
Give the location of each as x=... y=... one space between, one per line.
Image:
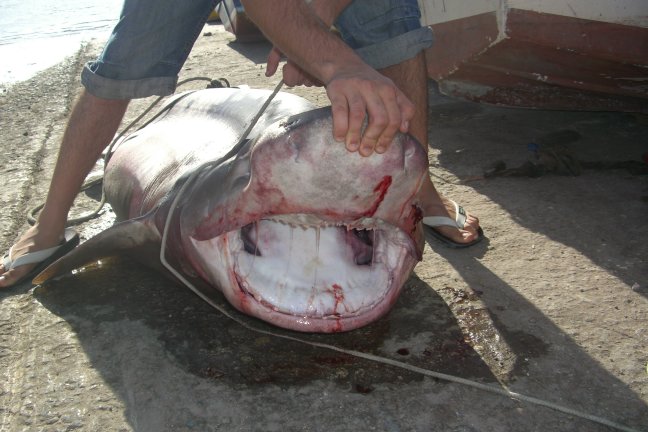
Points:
x=353 y=87
x=327 y=11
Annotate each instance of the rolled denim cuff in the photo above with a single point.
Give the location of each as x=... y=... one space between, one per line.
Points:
x=108 y=88
x=398 y=49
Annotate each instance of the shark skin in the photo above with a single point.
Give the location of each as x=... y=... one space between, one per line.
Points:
x=291 y=228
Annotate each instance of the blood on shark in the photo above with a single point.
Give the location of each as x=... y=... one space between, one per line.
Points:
x=291 y=228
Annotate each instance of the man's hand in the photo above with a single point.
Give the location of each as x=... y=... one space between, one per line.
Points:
x=354 y=94
x=355 y=89
x=292 y=75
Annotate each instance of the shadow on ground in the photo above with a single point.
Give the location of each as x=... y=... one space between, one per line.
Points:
x=550 y=365
x=601 y=213
x=208 y=344
x=421 y=330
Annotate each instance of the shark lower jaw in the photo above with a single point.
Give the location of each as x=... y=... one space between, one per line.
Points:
x=309 y=276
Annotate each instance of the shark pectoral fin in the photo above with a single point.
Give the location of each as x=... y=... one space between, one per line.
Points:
x=122 y=238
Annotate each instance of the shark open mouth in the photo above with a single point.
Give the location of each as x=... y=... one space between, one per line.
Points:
x=311 y=271
x=319 y=272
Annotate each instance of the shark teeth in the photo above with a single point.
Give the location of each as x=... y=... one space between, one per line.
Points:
x=307 y=221
x=242 y=285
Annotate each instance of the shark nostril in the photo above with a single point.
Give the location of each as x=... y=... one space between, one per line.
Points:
x=249 y=245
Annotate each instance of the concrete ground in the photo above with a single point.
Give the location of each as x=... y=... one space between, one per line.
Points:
x=554 y=304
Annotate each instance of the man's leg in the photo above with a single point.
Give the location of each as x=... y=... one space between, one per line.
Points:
x=410 y=77
x=91 y=127
x=141 y=59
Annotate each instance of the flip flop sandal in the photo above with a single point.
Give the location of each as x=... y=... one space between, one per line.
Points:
x=43 y=257
x=459 y=222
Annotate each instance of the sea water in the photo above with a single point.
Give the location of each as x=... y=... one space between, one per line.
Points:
x=37 y=34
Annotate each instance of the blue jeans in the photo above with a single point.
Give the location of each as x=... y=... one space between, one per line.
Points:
x=384 y=33
x=153 y=38
x=147 y=48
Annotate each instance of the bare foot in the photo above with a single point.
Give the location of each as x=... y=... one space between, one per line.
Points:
x=32 y=240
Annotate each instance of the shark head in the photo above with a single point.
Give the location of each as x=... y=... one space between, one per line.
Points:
x=301 y=233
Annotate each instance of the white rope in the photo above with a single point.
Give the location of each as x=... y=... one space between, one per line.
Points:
x=387 y=361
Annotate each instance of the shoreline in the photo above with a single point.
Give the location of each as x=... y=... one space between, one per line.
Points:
x=27 y=72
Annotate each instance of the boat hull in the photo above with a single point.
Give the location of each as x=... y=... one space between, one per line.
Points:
x=527 y=58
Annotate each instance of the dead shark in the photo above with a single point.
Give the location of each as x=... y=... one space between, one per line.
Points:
x=290 y=226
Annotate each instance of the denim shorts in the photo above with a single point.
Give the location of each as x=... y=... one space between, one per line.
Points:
x=153 y=38
x=147 y=48
x=384 y=32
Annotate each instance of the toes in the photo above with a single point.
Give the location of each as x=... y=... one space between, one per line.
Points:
x=456 y=235
x=11 y=277
x=472 y=224
x=467 y=236
x=7 y=279
x=4 y=275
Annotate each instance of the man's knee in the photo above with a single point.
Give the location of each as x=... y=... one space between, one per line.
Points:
x=384 y=32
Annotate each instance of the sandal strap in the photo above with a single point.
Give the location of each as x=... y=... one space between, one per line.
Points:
x=36 y=256
x=458 y=222
x=29 y=258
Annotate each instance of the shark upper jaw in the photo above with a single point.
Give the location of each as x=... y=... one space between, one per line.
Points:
x=313 y=278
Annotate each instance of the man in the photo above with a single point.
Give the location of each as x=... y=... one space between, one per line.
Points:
x=143 y=57
x=388 y=36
